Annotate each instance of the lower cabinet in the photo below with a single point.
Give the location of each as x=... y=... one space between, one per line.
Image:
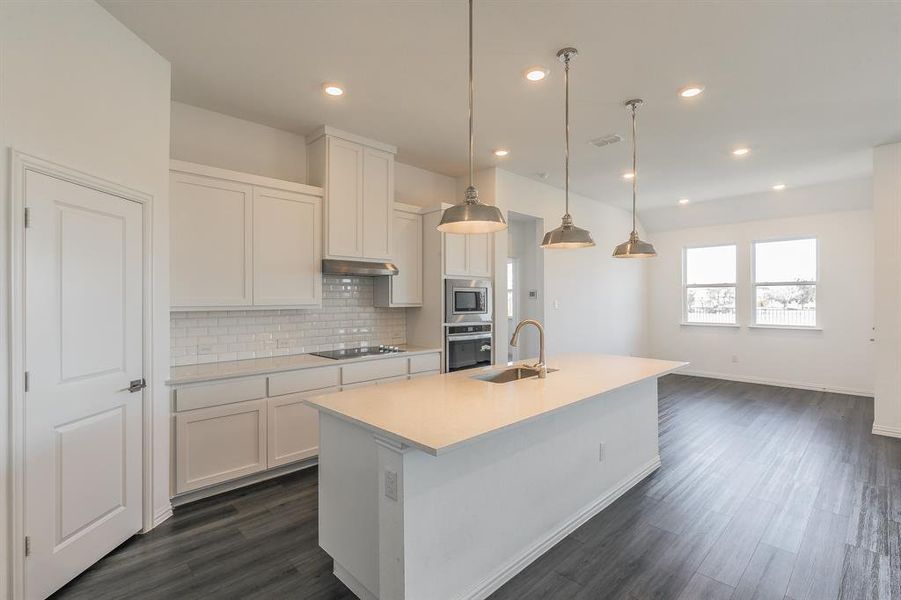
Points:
x=219 y=443
x=293 y=428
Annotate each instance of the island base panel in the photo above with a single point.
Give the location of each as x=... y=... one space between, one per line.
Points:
x=467 y=521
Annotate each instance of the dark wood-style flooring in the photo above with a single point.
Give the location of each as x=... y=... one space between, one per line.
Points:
x=764 y=493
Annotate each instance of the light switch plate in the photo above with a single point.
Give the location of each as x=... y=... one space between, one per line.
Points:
x=390 y=485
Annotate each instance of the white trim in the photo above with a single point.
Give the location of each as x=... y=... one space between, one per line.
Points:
x=162 y=515
x=779 y=383
x=493 y=582
x=785 y=327
x=327 y=130
x=409 y=208
x=359 y=590
x=19 y=164
x=886 y=430
x=703 y=324
x=181 y=166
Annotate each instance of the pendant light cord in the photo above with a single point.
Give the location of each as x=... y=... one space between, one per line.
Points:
x=633 y=107
x=470 y=95
x=566 y=135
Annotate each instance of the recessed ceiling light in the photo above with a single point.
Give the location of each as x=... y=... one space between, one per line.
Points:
x=779 y=187
x=690 y=91
x=536 y=73
x=684 y=200
x=628 y=175
x=332 y=89
x=740 y=152
x=501 y=152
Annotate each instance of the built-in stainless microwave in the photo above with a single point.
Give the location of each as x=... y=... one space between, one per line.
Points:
x=467 y=301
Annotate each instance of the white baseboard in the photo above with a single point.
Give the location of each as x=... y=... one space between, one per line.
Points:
x=887 y=430
x=163 y=514
x=778 y=383
x=490 y=584
x=221 y=488
x=359 y=590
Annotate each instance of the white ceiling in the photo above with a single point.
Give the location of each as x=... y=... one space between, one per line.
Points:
x=809 y=86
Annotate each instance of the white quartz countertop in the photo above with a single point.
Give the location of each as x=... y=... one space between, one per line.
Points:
x=275 y=364
x=440 y=413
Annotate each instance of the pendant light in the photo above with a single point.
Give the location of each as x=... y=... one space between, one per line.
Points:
x=635 y=247
x=472 y=216
x=567 y=235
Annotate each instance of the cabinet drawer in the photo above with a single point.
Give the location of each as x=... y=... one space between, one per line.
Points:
x=424 y=374
x=373 y=369
x=217 y=394
x=220 y=443
x=425 y=362
x=303 y=381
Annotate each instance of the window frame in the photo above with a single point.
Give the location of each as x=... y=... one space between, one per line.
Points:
x=754 y=283
x=687 y=286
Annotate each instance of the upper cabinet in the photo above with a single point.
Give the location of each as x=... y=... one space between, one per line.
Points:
x=358 y=177
x=240 y=240
x=405 y=288
x=467 y=255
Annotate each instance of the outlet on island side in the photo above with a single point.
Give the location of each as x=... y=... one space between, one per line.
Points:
x=390 y=485
x=602 y=451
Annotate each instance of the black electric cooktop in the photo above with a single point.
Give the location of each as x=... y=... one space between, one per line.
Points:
x=358 y=352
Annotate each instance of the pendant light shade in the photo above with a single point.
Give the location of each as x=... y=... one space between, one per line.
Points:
x=567 y=236
x=635 y=247
x=472 y=216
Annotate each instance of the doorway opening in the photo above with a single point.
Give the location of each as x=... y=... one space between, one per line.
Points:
x=525 y=281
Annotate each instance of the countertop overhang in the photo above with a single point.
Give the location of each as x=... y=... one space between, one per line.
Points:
x=440 y=413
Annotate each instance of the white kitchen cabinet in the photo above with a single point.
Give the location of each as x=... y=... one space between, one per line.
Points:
x=219 y=443
x=293 y=432
x=405 y=288
x=358 y=177
x=467 y=255
x=241 y=240
x=287 y=254
x=211 y=252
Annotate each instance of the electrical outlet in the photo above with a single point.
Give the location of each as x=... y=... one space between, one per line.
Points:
x=556 y=303
x=735 y=358
x=602 y=451
x=390 y=485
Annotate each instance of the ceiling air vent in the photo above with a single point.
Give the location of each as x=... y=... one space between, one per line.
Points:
x=606 y=140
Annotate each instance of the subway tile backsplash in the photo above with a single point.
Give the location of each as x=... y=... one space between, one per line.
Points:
x=347 y=319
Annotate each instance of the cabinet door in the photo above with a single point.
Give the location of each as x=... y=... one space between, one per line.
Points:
x=378 y=203
x=344 y=221
x=406 y=286
x=220 y=443
x=287 y=260
x=455 y=254
x=211 y=253
x=293 y=427
x=478 y=255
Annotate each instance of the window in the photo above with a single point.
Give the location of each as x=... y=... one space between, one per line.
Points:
x=709 y=285
x=785 y=283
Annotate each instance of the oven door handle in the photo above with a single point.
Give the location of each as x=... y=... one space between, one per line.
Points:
x=466 y=337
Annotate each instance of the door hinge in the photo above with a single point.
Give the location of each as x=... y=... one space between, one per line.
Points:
x=27 y=546
x=26 y=381
x=27 y=217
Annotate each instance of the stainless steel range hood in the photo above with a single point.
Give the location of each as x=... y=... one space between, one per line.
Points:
x=358 y=267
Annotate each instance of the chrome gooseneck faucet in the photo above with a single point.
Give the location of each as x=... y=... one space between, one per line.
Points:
x=541 y=365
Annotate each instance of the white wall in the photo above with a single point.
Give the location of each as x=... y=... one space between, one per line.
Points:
x=840 y=357
x=79 y=89
x=601 y=299
x=887 y=210
x=210 y=138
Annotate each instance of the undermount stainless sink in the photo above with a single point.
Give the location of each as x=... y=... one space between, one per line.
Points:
x=511 y=374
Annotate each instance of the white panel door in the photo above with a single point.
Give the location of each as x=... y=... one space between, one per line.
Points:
x=83 y=339
x=344 y=221
x=287 y=259
x=478 y=254
x=455 y=254
x=210 y=237
x=406 y=286
x=378 y=203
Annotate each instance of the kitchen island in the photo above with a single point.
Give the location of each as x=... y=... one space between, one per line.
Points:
x=445 y=487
